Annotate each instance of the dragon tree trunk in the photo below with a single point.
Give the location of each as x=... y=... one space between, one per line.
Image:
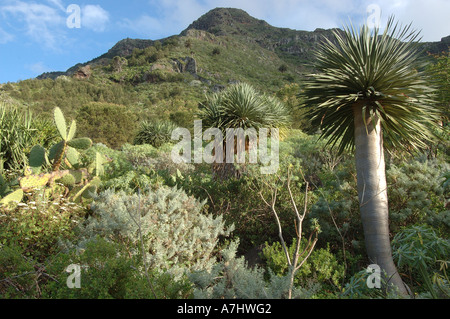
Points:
x=372 y=193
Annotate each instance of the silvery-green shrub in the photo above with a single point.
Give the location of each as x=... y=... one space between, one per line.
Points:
x=176 y=233
x=232 y=278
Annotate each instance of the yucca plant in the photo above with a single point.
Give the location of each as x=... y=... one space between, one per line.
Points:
x=368 y=94
x=241 y=106
x=155 y=133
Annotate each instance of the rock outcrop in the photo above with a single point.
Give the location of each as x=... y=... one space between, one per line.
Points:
x=83 y=73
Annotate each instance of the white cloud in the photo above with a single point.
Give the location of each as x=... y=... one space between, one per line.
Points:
x=58 y=4
x=144 y=26
x=5 y=37
x=94 y=17
x=431 y=16
x=38 y=68
x=40 y=22
x=163 y=18
x=45 y=23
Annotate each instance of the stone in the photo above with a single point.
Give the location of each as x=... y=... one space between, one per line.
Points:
x=186 y=65
x=83 y=72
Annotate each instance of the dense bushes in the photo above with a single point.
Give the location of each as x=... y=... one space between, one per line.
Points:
x=182 y=216
x=233 y=279
x=108 y=272
x=322 y=267
x=110 y=124
x=419 y=250
x=417 y=194
x=15 y=136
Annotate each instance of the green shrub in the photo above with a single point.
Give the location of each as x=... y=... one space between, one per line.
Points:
x=108 y=272
x=183 y=119
x=357 y=288
x=117 y=164
x=420 y=249
x=17 y=274
x=110 y=124
x=176 y=234
x=416 y=194
x=16 y=136
x=321 y=267
x=37 y=224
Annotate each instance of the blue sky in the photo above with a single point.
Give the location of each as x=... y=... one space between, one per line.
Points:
x=42 y=35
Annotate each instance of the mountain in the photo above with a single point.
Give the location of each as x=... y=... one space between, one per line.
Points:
x=168 y=78
x=292 y=46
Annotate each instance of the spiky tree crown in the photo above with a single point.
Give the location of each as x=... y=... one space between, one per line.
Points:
x=379 y=73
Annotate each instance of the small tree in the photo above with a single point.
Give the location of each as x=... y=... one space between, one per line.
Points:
x=366 y=95
x=298 y=259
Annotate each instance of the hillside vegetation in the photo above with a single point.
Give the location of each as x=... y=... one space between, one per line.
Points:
x=87 y=176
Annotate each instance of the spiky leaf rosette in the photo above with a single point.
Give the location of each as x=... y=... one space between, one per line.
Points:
x=241 y=106
x=379 y=73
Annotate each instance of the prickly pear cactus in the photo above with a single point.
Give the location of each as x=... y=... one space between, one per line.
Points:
x=10 y=201
x=31 y=182
x=68 y=181
x=82 y=143
x=62 y=152
x=73 y=156
x=74 y=181
x=68 y=146
x=37 y=158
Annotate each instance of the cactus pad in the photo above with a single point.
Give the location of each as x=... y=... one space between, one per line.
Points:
x=72 y=131
x=60 y=122
x=67 y=180
x=72 y=156
x=56 y=150
x=11 y=200
x=37 y=158
x=80 y=143
x=34 y=181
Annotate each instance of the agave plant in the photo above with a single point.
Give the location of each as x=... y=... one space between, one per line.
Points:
x=368 y=94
